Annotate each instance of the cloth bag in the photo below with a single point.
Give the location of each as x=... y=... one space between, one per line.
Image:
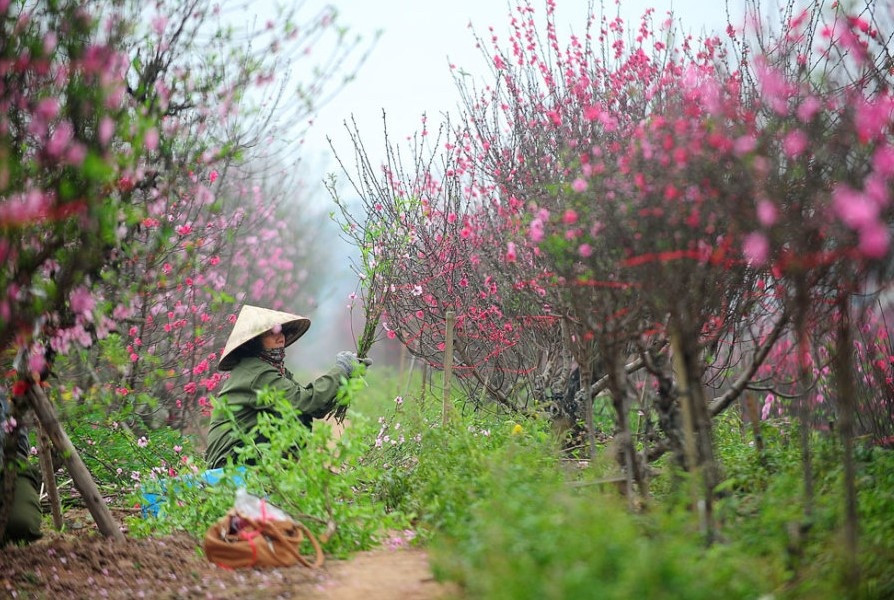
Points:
x=237 y=541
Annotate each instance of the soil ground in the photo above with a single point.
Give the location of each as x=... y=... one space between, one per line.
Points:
x=81 y=564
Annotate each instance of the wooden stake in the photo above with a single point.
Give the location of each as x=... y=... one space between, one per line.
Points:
x=448 y=365
x=80 y=475
x=49 y=476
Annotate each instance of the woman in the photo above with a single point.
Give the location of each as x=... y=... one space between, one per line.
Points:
x=255 y=355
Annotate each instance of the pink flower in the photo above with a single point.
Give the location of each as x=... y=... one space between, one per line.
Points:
x=744 y=145
x=883 y=160
x=585 y=250
x=579 y=185
x=81 y=301
x=767 y=213
x=768 y=404
x=510 y=252
x=9 y=425
x=150 y=140
x=855 y=209
x=212 y=177
x=159 y=22
x=794 y=143
x=184 y=229
x=570 y=217
x=391 y=335
x=808 y=107
x=591 y=113
x=36 y=360
x=756 y=249
x=190 y=387
x=142 y=442
x=874 y=240
x=47 y=109
x=106 y=130
x=535 y=231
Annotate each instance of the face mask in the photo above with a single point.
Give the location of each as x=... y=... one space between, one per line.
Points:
x=274 y=356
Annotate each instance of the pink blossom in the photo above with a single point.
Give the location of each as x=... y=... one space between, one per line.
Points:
x=159 y=22
x=756 y=248
x=106 y=130
x=510 y=252
x=767 y=213
x=794 y=143
x=184 y=229
x=47 y=109
x=535 y=231
x=142 y=442
x=585 y=250
x=212 y=177
x=883 y=160
x=744 y=145
x=570 y=217
x=36 y=360
x=591 y=113
x=808 y=108
x=854 y=208
x=391 y=335
x=579 y=185
x=81 y=301
x=59 y=140
x=768 y=404
x=150 y=140
x=874 y=240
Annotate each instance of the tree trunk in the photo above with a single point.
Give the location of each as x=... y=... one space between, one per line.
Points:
x=698 y=450
x=46 y=415
x=846 y=391
x=801 y=310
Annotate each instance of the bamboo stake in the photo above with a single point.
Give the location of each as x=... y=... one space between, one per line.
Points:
x=46 y=415
x=49 y=477
x=448 y=366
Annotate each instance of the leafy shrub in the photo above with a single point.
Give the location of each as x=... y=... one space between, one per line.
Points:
x=308 y=473
x=532 y=535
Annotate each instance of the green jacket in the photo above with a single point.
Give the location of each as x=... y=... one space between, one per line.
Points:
x=240 y=392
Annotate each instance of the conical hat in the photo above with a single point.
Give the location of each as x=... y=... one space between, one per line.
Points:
x=252 y=322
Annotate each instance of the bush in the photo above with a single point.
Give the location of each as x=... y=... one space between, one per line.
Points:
x=308 y=473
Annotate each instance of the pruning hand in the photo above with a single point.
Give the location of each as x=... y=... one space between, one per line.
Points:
x=348 y=361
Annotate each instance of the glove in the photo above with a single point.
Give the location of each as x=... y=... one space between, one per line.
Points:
x=348 y=361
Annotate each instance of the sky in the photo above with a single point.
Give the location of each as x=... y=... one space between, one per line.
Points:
x=406 y=75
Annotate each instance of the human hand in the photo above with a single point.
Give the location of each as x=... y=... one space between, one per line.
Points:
x=348 y=361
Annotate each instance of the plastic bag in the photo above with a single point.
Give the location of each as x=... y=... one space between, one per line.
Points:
x=249 y=505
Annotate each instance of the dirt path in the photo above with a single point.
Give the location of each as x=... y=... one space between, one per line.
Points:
x=81 y=564
x=382 y=575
